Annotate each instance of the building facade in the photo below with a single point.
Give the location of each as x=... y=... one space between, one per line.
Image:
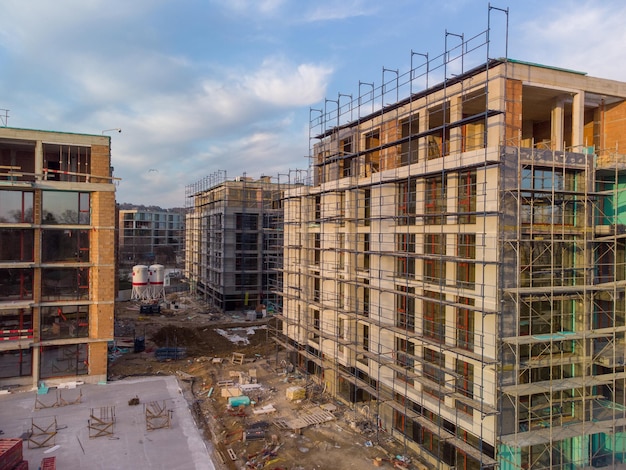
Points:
x=57 y=262
x=151 y=236
x=457 y=268
x=234 y=241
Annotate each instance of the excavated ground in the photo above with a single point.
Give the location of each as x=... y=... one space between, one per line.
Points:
x=253 y=436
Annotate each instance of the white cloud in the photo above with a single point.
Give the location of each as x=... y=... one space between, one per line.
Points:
x=333 y=10
x=586 y=36
x=283 y=84
x=250 y=7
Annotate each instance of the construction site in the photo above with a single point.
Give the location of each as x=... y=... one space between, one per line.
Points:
x=444 y=288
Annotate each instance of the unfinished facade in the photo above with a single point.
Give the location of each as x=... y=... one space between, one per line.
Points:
x=234 y=240
x=57 y=236
x=457 y=268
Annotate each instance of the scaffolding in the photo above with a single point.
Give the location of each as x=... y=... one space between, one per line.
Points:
x=457 y=265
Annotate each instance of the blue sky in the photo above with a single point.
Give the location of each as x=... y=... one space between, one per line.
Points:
x=199 y=86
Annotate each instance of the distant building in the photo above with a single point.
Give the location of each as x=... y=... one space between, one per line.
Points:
x=234 y=238
x=57 y=264
x=151 y=236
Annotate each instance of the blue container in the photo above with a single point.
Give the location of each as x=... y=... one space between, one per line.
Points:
x=239 y=401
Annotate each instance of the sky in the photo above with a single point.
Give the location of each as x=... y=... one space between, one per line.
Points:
x=201 y=87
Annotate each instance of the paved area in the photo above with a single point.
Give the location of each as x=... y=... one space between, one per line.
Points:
x=130 y=445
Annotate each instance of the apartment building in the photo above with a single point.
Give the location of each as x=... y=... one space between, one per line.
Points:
x=57 y=236
x=148 y=236
x=234 y=240
x=456 y=271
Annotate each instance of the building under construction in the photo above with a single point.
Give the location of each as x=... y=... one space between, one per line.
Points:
x=57 y=257
x=234 y=240
x=457 y=270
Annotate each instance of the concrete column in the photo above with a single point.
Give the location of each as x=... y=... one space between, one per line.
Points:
x=456 y=133
x=423 y=142
x=39 y=159
x=558 y=113
x=578 y=121
x=36 y=351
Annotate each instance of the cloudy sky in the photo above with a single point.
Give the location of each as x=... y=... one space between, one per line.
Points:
x=201 y=86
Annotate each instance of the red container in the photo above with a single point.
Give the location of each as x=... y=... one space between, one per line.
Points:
x=23 y=465
x=48 y=463
x=10 y=453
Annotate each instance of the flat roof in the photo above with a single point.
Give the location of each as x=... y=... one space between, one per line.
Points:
x=131 y=445
x=53 y=132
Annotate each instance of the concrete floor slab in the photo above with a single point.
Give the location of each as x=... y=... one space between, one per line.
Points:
x=131 y=445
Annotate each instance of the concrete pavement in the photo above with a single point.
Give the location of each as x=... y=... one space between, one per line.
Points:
x=130 y=446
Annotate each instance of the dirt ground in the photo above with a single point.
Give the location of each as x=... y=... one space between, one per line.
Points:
x=266 y=433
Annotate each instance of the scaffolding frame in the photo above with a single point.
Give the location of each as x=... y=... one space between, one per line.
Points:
x=404 y=266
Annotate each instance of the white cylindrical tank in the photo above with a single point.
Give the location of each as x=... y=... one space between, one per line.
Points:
x=140 y=275
x=140 y=281
x=157 y=274
x=157 y=278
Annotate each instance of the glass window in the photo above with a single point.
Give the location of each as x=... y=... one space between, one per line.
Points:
x=17 y=244
x=58 y=361
x=466 y=270
x=16 y=363
x=433 y=369
x=465 y=325
x=247 y=241
x=405 y=264
x=65 y=207
x=16 y=284
x=464 y=384
x=547 y=196
x=405 y=308
x=64 y=245
x=68 y=321
x=405 y=350
x=434 y=261
x=433 y=321
x=407 y=200
x=435 y=200
x=16 y=207
x=466 y=198
x=16 y=324
x=65 y=284
x=247 y=221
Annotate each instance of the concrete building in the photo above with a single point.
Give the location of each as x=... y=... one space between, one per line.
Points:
x=457 y=268
x=234 y=240
x=57 y=236
x=148 y=236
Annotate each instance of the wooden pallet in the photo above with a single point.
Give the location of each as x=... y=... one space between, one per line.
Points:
x=317 y=416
